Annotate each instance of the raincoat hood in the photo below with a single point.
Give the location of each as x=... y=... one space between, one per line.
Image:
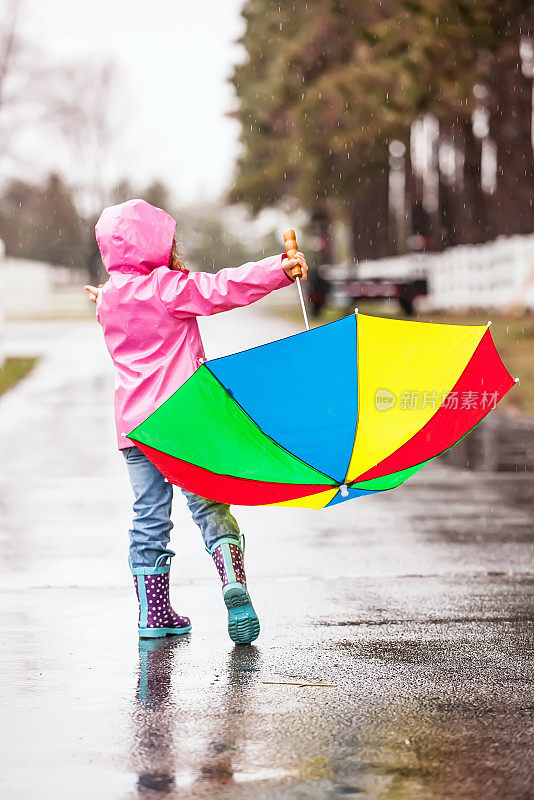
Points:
x=135 y=237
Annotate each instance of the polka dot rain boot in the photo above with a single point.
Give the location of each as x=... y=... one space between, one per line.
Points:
x=156 y=615
x=243 y=624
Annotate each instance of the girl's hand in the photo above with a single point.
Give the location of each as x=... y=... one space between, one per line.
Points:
x=93 y=292
x=290 y=263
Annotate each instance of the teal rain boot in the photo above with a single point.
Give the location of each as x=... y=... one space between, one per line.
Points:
x=243 y=624
x=156 y=615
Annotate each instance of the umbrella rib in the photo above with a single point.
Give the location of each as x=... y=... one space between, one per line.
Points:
x=417 y=323
x=358 y=399
x=303 y=490
x=323 y=487
x=426 y=460
x=275 y=341
x=310 y=466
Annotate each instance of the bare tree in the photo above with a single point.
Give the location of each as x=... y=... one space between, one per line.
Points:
x=11 y=74
x=8 y=43
x=85 y=109
x=73 y=106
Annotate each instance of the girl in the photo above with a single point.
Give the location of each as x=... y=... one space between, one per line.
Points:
x=148 y=311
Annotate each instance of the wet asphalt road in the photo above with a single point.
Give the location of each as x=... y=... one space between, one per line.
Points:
x=416 y=603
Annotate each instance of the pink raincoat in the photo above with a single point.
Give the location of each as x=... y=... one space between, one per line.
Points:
x=148 y=311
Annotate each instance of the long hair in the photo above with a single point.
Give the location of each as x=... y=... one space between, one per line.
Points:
x=176 y=258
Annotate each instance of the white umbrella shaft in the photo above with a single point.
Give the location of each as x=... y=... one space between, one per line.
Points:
x=299 y=287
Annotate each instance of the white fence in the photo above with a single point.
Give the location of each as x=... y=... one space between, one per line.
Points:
x=34 y=289
x=498 y=275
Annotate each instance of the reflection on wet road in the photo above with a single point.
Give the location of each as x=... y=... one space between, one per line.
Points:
x=160 y=708
x=416 y=603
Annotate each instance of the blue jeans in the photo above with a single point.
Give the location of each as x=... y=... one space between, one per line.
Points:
x=151 y=526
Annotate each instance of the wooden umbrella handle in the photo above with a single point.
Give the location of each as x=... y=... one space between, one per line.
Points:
x=290 y=241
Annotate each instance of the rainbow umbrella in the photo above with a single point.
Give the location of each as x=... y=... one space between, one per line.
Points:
x=348 y=409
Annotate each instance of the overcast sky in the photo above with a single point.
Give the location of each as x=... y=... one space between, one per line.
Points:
x=174 y=57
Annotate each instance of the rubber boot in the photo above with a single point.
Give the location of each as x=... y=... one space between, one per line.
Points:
x=156 y=615
x=243 y=624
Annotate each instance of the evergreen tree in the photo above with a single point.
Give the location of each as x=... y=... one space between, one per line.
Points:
x=328 y=84
x=41 y=222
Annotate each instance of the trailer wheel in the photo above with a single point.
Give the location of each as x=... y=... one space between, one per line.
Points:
x=406 y=304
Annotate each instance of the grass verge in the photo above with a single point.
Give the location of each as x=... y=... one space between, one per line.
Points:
x=14 y=370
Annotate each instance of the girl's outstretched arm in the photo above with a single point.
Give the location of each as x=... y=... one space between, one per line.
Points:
x=202 y=293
